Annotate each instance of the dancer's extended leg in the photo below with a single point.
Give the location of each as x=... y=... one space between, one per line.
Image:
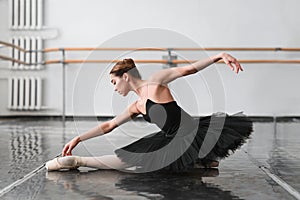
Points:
x=73 y=162
x=104 y=162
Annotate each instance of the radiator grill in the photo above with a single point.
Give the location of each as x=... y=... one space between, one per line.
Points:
x=25 y=93
x=34 y=55
x=26 y=14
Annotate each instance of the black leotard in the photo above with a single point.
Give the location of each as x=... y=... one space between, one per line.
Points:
x=184 y=140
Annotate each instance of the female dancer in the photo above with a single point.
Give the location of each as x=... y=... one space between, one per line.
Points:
x=182 y=142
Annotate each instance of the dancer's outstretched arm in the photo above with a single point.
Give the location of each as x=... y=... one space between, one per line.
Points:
x=106 y=127
x=167 y=75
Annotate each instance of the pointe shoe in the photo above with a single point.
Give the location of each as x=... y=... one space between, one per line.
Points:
x=68 y=162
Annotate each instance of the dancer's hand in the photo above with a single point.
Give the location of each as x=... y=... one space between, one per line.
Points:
x=229 y=60
x=67 y=151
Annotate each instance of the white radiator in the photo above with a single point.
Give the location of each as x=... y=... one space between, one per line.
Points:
x=25 y=93
x=34 y=44
x=26 y=14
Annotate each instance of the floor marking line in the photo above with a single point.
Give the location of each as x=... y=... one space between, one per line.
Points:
x=292 y=191
x=282 y=183
x=24 y=178
x=21 y=180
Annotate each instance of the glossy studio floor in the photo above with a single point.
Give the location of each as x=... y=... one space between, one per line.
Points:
x=266 y=167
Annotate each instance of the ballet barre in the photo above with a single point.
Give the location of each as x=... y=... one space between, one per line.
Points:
x=174 y=49
x=152 y=48
x=171 y=61
x=165 y=61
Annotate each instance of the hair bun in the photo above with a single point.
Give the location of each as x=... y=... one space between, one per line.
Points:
x=125 y=65
x=128 y=61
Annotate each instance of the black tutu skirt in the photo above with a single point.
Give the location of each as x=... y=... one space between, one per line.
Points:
x=207 y=138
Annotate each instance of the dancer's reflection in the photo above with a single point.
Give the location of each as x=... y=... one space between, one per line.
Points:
x=106 y=184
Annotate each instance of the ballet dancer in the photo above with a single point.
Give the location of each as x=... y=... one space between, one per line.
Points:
x=183 y=142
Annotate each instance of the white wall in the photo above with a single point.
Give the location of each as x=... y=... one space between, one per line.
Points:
x=262 y=89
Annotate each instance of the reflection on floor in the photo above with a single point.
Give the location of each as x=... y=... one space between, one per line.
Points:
x=27 y=144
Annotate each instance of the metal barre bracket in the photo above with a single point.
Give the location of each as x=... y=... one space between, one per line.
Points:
x=170 y=58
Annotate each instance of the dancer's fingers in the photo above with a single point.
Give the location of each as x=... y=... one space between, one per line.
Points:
x=65 y=150
x=69 y=151
x=239 y=66
x=230 y=65
x=227 y=62
x=236 y=68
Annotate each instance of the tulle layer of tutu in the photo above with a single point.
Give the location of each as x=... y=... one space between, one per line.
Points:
x=215 y=137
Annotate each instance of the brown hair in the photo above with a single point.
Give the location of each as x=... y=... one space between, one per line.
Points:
x=125 y=66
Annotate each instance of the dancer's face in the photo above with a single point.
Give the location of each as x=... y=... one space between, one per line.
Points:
x=120 y=83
